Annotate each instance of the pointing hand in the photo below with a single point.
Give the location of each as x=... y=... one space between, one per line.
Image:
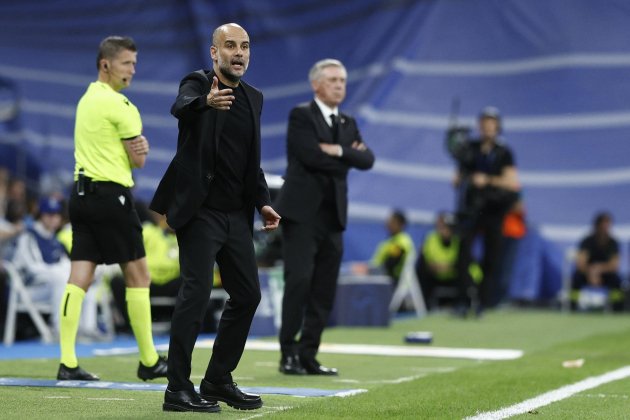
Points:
x=219 y=99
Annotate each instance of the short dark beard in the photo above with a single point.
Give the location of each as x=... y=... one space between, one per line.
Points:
x=229 y=76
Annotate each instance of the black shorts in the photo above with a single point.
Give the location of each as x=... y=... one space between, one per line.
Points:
x=106 y=228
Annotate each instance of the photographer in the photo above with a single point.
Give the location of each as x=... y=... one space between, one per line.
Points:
x=488 y=186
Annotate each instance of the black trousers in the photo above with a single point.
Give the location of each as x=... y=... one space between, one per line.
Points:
x=489 y=227
x=312 y=257
x=224 y=237
x=610 y=280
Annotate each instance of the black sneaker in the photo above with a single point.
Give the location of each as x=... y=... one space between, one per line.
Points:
x=229 y=394
x=158 y=370
x=74 y=374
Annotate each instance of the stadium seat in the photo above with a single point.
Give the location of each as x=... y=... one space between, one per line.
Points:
x=408 y=289
x=20 y=301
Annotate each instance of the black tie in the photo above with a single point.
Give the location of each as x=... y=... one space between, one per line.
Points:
x=334 y=127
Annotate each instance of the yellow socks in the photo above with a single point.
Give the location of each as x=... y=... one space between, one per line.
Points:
x=139 y=310
x=70 y=313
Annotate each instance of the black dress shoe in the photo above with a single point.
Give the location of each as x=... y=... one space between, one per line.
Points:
x=74 y=374
x=158 y=370
x=188 y=401
x=290 y=365
x=229 y=394
x=313 y=367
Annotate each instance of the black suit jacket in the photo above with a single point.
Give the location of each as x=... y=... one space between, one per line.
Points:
x=310 y=171
x=187 y=180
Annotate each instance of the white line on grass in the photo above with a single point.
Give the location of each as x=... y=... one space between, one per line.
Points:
x=397 y=380
x=110 y=399
x=424 y=372
x=625 y=397
x=270 y=410
x=553 y=396
x=364 y=349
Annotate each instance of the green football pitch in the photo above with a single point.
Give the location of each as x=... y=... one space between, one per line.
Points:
x=396 y=387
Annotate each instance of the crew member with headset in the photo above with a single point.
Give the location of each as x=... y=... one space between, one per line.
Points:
x=488 y=185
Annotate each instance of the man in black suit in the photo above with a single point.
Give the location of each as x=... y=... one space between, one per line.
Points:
x=209 y=193
x=322 y=146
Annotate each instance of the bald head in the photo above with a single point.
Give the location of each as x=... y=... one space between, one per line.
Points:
x=223 y=30
x=230 y=53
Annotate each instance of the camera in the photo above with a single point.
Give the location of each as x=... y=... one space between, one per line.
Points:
x=457 y=144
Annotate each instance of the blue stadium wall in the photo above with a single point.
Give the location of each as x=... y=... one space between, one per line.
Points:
x=559 y=71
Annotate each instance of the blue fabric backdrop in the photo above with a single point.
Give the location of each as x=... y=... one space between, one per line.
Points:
x=557 y=69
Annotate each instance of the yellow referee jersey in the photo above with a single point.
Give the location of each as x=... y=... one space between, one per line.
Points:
x=105 y=117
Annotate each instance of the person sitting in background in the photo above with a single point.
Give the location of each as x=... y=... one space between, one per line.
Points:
x=8 y=231
x=45 y=266
x=20 y=204
x=596 y=277
x=436 y=265
x=390 y=254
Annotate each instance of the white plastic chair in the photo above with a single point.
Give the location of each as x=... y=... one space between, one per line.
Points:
x=408 y=288
x=20 y=301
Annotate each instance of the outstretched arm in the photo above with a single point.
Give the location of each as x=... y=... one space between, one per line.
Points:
x=197 y=94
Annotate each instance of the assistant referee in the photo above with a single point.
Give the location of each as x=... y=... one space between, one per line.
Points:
x=105 y=225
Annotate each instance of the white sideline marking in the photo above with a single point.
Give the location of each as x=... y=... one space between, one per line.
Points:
x=625 y=397
x=424 y=372
x=553 y=396
x=364 y=349
x=269 y=410
x=381 y=350
x=110 y=399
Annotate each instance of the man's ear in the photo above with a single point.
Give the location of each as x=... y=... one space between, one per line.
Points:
x=213 y=52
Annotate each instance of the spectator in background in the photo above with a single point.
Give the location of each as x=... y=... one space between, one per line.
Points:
x=391 y=254
x=597 y=266
x=19 y=206
x=323 y=144
x=436 y=265
x=5 y=175
x=9 y=229
x=488 y=185
x=45 y=266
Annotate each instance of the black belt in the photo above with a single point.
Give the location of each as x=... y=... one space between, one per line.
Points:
x=89 y=186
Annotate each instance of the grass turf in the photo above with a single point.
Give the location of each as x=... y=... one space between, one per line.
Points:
x=398 y=387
